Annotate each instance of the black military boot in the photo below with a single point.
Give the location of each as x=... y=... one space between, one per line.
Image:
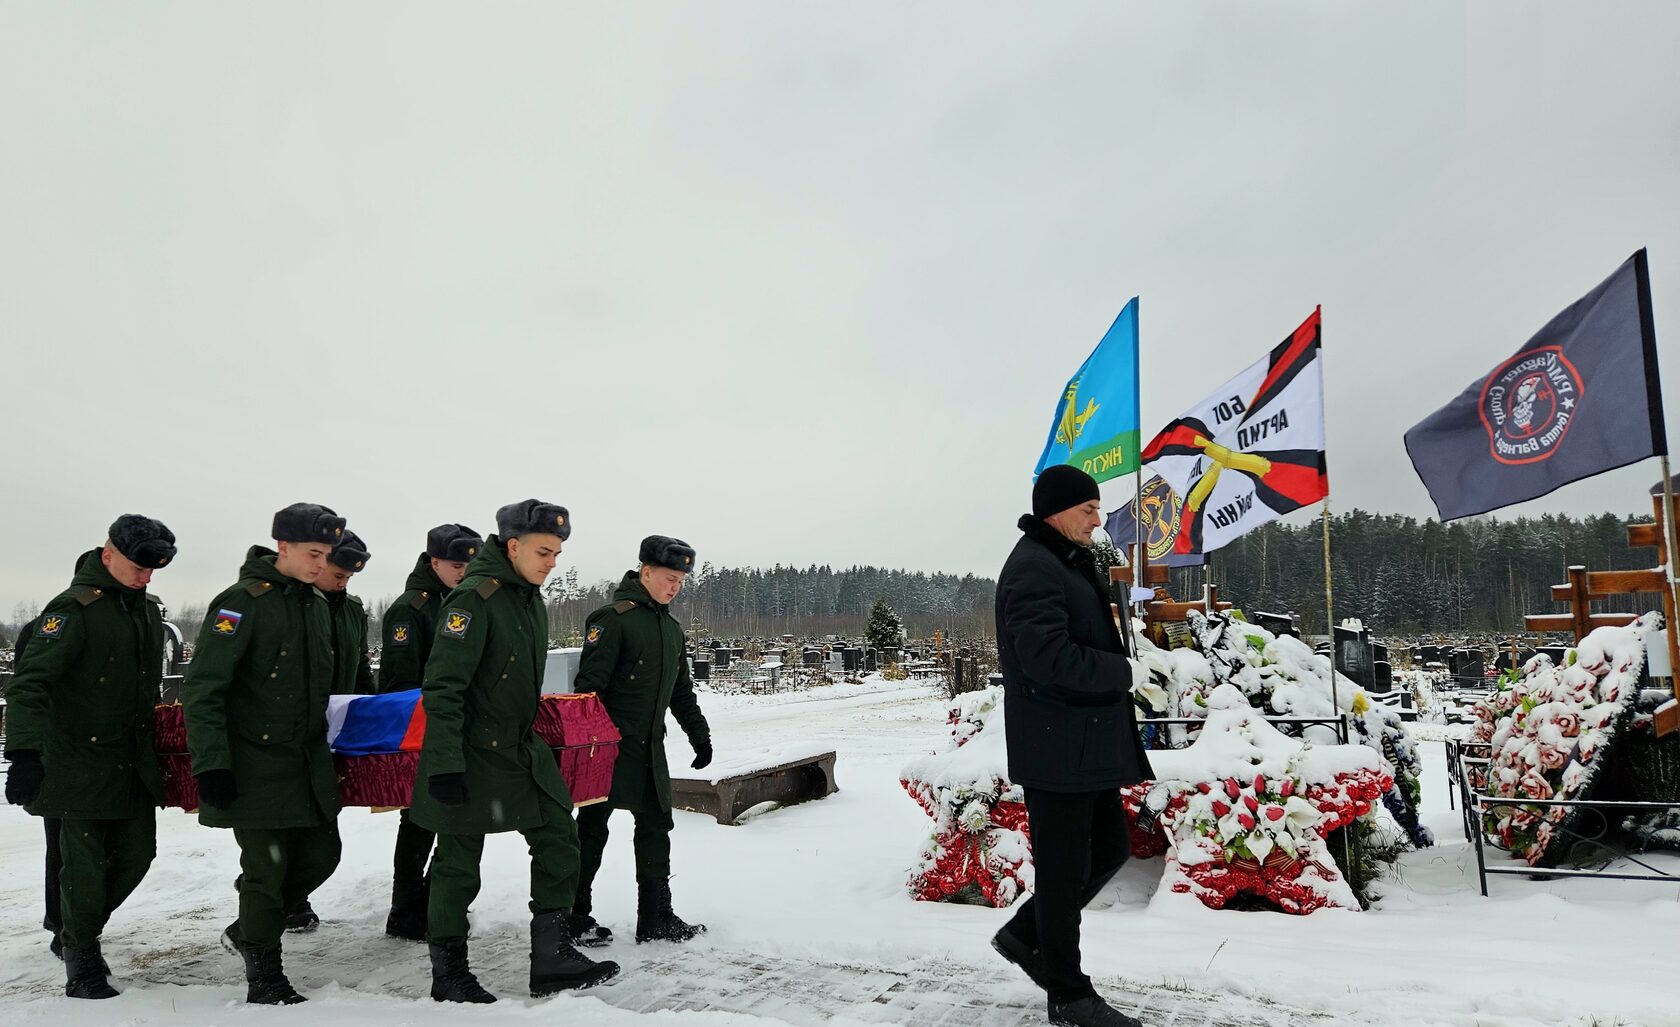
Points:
x=452 y=980
x=557 y=965
x=409 y=901
x=655 y=920
x=586 y=930
x=1007 y=945
x=302 y=920
x=1090 y=1011
x=85 y=973
x=265 y=981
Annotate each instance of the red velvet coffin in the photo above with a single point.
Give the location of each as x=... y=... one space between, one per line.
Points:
x=377 y=779
x=584 y=741
x=169 y=739
x=576 y=727
x=383 y=779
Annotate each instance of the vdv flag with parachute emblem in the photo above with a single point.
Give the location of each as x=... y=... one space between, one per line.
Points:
x=1096 y=424
x=1251 y=452
x=1580 y=398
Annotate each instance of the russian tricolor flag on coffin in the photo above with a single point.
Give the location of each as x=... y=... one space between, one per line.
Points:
x=363 y=725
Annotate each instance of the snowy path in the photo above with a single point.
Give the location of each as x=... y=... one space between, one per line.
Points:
x=928 y=993
x=810 y=924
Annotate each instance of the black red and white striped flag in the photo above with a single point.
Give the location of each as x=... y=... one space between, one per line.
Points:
x=1252 y=451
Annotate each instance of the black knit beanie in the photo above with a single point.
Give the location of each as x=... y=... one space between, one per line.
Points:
x=1062 y=487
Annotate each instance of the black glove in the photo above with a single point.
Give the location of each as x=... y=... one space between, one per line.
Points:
x=216 y=788
x=23 y=781
x=702 y=754
x=448 y=789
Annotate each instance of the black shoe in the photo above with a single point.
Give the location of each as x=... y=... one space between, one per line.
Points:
x=265 y=980
x=302 y=921
x=452 y=981
x=655 y=920
x=589 y=932
x=85 y=973
x=1021 y=954
x=556 y=964
x=230 y=939
x=56 y=946
x=409 y=900
x=1090 y=1011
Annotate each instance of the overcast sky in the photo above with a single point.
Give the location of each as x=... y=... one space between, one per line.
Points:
x=796 y=282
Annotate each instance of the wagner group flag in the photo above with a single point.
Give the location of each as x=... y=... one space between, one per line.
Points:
x=1252 y=451
x=1096 y=423
x=1162 y=513
x=1579 y=398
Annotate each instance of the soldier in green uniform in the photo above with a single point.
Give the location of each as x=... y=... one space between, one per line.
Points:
x=352 y=672
x=410 y=625
x=256 y=711
x=633 y=656
x=484 y=770
x=79 y=735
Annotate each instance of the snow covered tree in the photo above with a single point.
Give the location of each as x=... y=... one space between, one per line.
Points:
x=885 y=630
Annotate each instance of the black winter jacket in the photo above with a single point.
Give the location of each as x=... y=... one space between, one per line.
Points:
x=1067 y=684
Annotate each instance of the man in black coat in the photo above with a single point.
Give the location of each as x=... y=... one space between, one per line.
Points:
x=1072 y=736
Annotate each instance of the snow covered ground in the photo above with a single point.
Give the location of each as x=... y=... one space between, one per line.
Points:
x=810 y=923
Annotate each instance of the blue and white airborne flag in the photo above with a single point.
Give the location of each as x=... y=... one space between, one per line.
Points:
x=1096 y=427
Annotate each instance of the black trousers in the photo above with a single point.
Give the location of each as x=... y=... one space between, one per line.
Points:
x=1080 y=840
x=652 y=845
x=413 y=849
x=55 y=865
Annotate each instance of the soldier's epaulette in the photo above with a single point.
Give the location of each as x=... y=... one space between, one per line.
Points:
x=354 y=599
x=89 y=595
x=258 y=588
x=154 y=599
x=419 y=600
x=624 y=606
x=488 y=587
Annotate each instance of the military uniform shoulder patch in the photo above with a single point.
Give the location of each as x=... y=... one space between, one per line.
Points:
x=51 y=625
x=226 y=623
x=257 y=588
x=419 y=600
x=399 y=634
x=455 y=623
x=154 y=599
x=624 y=606
x=90 y=595
x=488 y=587
x=593 y=636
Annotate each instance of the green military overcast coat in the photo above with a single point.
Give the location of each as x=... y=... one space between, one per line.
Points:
x=352 y=672
x=482 y=682
x=256 y=699
x=410 y=628
x=633 y=657
x=83 y=697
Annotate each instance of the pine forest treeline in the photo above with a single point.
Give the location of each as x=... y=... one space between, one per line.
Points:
x=1401 y=575
x=816 y=600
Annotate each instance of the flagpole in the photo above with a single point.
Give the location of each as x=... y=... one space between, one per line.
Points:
x=1673 y=551
x=1330 y=628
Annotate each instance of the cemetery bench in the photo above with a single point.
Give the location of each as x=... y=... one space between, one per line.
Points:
x=785 y=775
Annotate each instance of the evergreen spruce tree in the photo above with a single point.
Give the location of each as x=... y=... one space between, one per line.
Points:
x=885 y=630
